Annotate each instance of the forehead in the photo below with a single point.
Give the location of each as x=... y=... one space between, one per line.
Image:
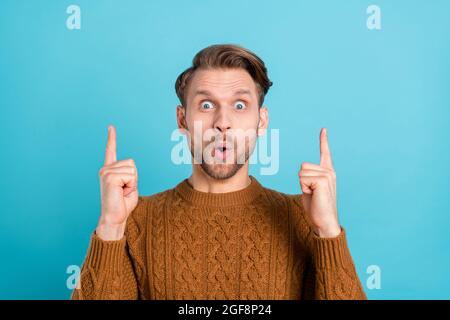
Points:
x=221 y=82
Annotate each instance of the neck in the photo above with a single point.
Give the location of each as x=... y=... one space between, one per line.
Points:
x=201 y=181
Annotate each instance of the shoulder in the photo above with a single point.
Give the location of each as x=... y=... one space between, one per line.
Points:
x=290 y=201
x=148 y=202
x=291 y=204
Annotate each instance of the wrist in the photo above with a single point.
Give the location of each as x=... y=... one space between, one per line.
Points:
x=328 y=232
x=110 y=232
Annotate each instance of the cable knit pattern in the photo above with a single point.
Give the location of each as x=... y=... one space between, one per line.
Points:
x=254 y=243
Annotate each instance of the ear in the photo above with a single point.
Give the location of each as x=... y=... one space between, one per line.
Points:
x=263 y=120
x=181 y=119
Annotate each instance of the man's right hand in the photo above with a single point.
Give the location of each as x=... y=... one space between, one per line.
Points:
x=119 y=193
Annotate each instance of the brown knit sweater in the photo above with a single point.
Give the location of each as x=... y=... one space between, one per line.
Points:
x=255 y=243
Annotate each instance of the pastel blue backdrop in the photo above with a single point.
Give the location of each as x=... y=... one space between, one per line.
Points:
x=383 y=95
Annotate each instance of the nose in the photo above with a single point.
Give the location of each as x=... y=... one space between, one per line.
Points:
x=222 y=120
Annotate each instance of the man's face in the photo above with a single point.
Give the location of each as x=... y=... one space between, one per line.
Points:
x=222 y=105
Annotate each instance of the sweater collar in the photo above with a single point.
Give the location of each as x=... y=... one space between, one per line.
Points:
x=239 y=197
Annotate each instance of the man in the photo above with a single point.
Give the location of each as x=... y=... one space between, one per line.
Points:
x=219 y=234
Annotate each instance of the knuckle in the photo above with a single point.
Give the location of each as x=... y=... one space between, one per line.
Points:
x=331 y=174
x=108 y=177
x=303 y=174
x=103 y=171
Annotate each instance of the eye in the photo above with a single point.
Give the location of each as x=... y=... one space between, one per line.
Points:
x=240 y=105
x=206 y=105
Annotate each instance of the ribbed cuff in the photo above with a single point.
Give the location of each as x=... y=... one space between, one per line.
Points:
x=331 y=252
x=105 y=255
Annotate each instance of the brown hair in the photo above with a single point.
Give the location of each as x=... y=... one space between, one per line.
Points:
x=226 y=56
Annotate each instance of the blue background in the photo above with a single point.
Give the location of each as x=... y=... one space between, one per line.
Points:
x=383 y=95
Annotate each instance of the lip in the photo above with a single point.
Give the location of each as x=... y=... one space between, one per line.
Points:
x=221 y=153
x=222 y=145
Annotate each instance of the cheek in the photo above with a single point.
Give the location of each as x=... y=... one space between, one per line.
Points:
x=247 y=121
x=198 y=119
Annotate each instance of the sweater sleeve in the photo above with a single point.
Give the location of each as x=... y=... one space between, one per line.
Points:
x=107 y=272
x=330 y=273
x=115 y=270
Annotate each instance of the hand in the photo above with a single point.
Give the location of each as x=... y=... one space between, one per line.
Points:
x=119 y=194
x=318 y=184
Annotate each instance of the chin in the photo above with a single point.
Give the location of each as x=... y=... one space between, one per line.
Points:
x=221 y=171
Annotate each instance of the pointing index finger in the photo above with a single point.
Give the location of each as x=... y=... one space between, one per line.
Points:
x=325 y=154
x=110 y=153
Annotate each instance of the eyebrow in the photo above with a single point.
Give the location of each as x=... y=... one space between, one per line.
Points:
x=237 y=92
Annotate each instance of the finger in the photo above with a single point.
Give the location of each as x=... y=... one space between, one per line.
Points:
x=110 y=153
x=120 y=179
x=325 y=155
x=319 y=175
x=129 y=190
x=122 y=169
x=122 y=163
x=313 y=182
x=305 y=186
x=312 y=173
x=313 y=166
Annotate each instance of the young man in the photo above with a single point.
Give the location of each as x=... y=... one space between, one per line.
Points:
x=219 y=234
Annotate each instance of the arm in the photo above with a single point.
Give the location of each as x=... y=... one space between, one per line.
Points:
x=330 y=273
x=107 y=272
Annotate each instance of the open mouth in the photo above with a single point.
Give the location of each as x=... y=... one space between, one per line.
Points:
x=222 y=151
